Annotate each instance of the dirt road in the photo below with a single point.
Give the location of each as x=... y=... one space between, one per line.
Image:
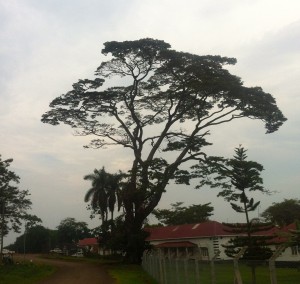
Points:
x=74 y=272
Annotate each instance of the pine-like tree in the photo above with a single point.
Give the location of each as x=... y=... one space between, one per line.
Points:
x=239 y=177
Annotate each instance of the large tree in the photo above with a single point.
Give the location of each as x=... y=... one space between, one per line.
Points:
x=14 y=202
x=283 y=213
x=179 y=214
x=169 y=102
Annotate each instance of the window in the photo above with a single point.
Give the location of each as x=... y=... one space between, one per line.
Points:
x=204 y=251
x=294 y=250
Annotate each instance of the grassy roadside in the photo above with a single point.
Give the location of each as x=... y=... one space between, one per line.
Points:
x=25 y=273
x=28 y=273
x=128 y=274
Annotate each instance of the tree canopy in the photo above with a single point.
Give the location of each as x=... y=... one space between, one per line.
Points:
x=70 y=231
x=14 y=202
x=179 y=214
x=283 y=213
x=37 y=239
x=169 y=102
x=103 y=194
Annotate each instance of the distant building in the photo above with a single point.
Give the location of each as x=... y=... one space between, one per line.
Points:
x=90 y=244
x=204 y=241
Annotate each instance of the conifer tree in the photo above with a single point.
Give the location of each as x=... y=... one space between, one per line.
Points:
x=238 y=177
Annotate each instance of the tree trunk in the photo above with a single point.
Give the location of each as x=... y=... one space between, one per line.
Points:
x=135 y=240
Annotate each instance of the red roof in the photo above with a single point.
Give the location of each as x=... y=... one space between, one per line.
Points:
x=209 y=229
x=176 y=245
x=284 y=234
x=88 y=242
x=206 y=229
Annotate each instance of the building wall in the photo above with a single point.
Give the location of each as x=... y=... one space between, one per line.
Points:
x=290 y=254
x=212 y=244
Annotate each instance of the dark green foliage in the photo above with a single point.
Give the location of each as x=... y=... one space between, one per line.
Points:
x=113 y=236
x=14 y=202
x=250 y=236
x=238 y=177
x=179 y=215
x=38 y=239
x=104 y=193
x=70 y=231
x=163 y=91
x=235 y=177
x=283 y=213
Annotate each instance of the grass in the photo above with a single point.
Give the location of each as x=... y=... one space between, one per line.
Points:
x=29 y=273
x=25 y=273
x=225 y=274
x=129 y=274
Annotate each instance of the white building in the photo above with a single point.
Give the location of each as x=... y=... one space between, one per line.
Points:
x=204 y=241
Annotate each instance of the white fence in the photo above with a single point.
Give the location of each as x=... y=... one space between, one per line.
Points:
x=167 y=270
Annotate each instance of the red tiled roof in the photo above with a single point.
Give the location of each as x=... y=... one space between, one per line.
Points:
x=206 y=229
x=176 y=245
x=284 y=234
x=210 y=229
x=88 y=242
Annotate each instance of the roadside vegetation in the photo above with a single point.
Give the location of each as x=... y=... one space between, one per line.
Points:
x=225 y=274
x=25 y=273
x=128 y=274
x=29 y=273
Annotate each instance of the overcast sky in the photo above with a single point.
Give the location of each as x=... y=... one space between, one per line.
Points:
x=48 y=45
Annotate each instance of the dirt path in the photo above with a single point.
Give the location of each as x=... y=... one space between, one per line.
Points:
x=77 y=272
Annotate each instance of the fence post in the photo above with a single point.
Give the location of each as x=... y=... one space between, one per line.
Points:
x=157 y=261
x=165 y=271
x=237 y=274
x=197 y=271
x=212 y=267
x=161 y=270
x=177 y=270
x=144 y=261
x=185 y=262
x=272 y=259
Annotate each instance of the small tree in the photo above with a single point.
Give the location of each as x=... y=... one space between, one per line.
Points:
x=14 y=202
x=179 y=214
x=239 y=177
x=169 y=101
x=103 y=194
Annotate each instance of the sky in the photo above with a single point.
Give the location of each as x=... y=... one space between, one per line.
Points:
x=48 y=45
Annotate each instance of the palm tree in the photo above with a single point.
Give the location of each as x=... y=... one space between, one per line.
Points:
x=104 y=192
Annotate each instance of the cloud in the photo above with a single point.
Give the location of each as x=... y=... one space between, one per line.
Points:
x=48 y=45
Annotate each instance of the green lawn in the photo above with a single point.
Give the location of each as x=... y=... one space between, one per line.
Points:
x=25 y=273
x=28 y=273
x=224 y=274
x=129 y=274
